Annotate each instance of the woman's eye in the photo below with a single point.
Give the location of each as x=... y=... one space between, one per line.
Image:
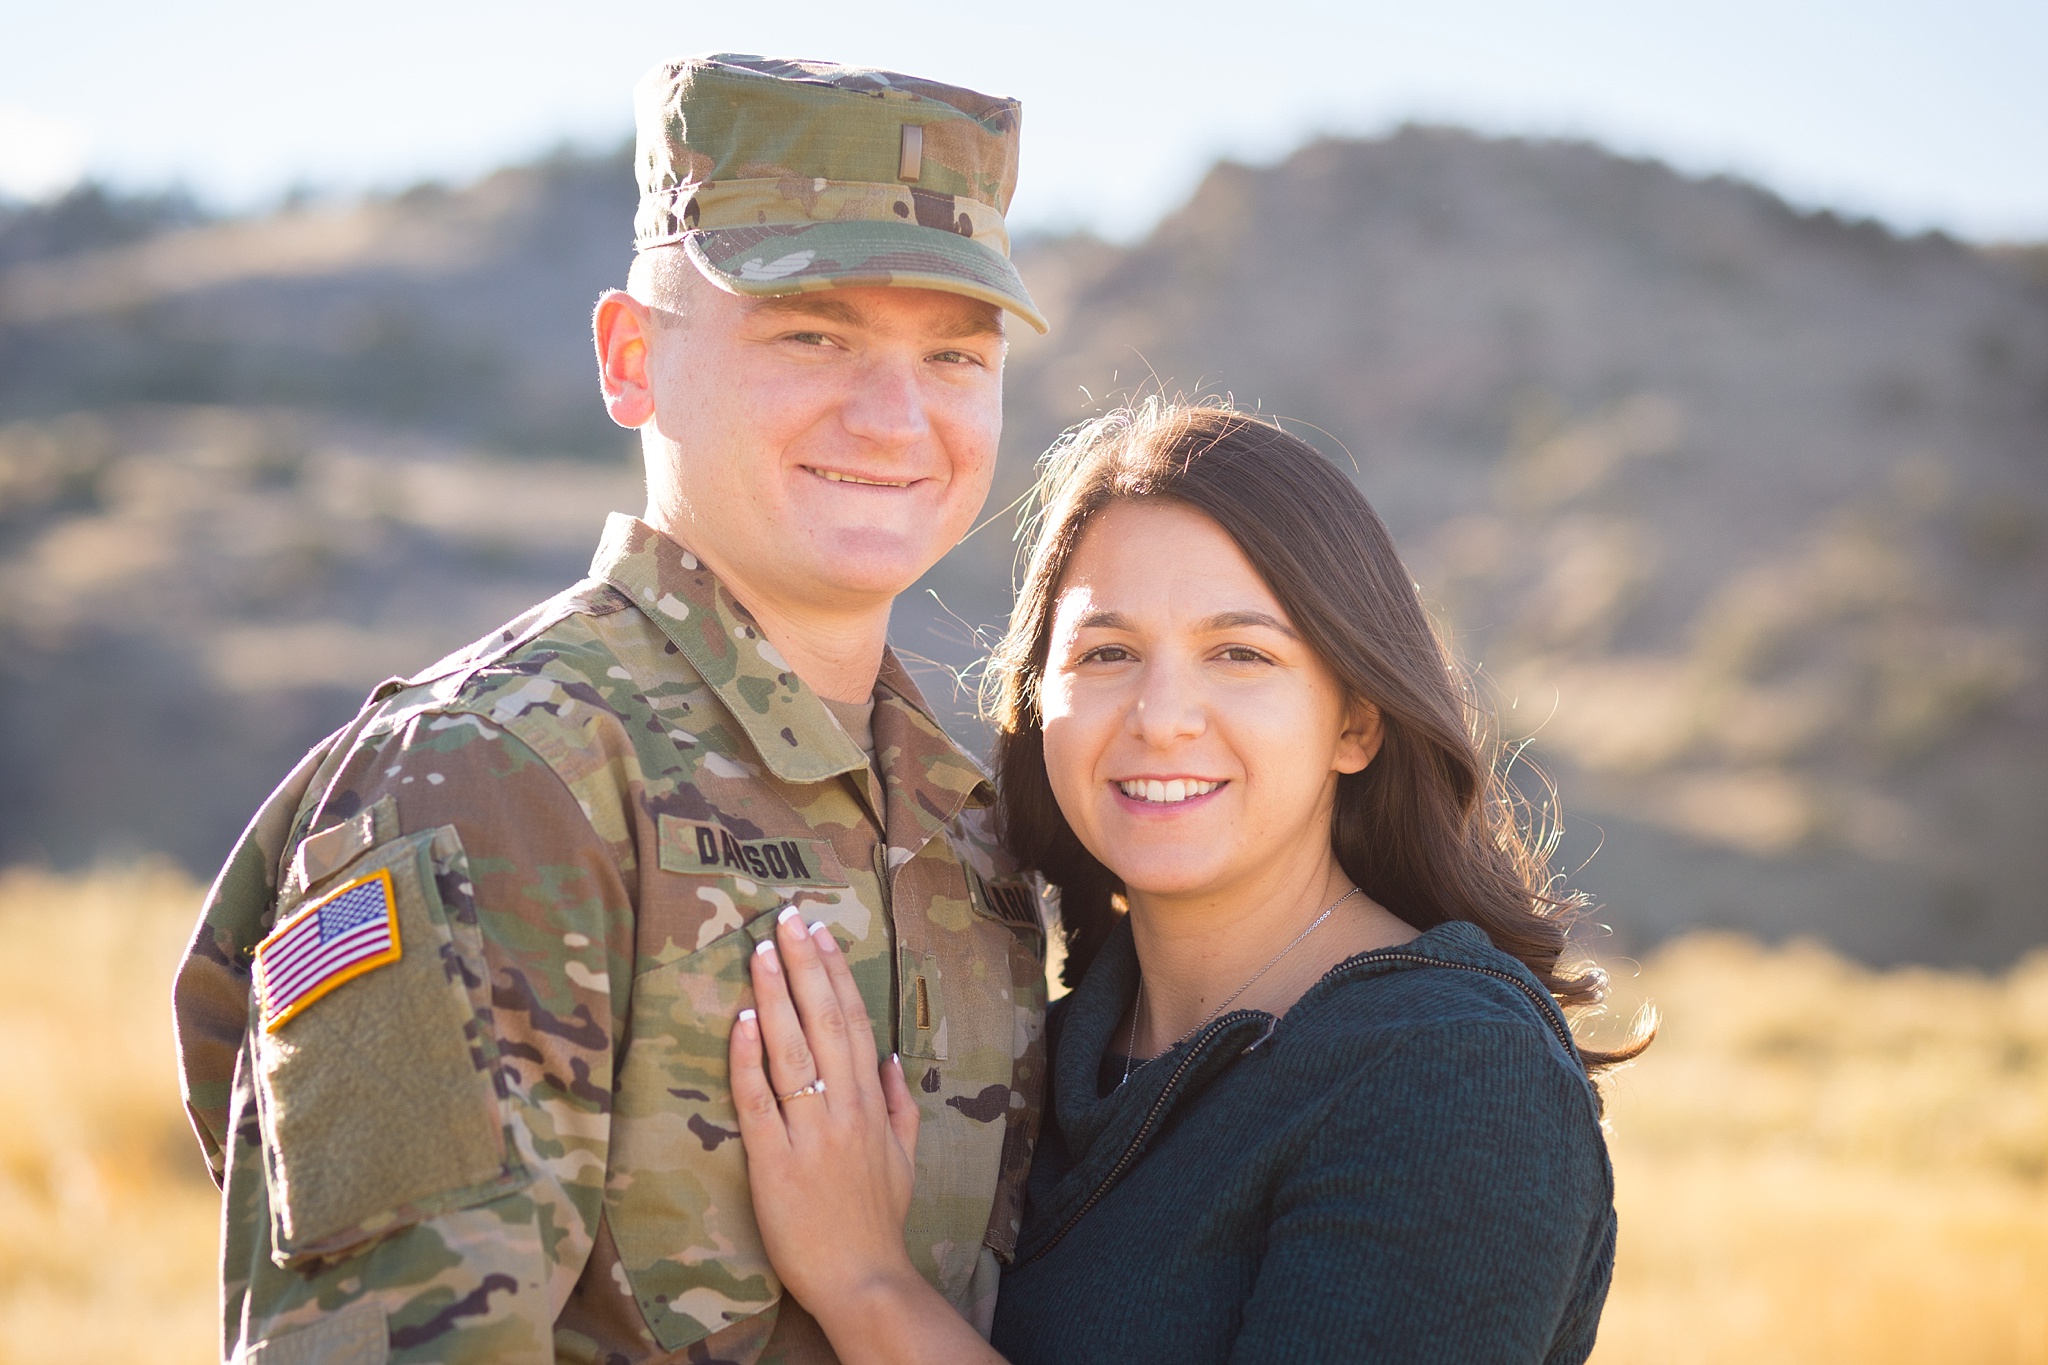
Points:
x=1244 y=654
x=1106 y=654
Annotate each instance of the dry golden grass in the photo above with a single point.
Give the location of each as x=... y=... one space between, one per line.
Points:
x=1815 y=1163
x=106 y=1213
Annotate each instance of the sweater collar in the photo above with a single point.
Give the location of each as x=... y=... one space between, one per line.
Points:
x=1104 y=1135
x=1087 y=1036
x=1088 y=1033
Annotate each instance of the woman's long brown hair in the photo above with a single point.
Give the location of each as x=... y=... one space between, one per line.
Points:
x=1431 y=829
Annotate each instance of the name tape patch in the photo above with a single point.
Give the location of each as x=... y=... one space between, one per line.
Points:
x=1012 y=901
x=691 y=846
x=336 y=939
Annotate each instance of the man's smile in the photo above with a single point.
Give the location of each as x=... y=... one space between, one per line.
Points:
x=838 y=476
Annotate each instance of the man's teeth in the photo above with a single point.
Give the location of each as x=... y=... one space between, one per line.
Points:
x=836 y=477
x=1166 y=793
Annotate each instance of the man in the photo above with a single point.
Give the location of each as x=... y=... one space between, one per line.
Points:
x=454 y=1023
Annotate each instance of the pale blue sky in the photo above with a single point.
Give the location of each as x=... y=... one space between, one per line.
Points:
x=1924 y=114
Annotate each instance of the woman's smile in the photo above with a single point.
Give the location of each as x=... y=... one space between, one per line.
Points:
x=1193 y=738
x=1170 y=791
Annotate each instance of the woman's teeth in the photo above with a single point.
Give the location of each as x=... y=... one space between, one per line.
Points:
x=1166 y=793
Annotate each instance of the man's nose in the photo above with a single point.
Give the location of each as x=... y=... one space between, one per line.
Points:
x=887 y=405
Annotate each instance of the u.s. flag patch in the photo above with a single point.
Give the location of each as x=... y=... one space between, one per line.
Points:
x=338 y=938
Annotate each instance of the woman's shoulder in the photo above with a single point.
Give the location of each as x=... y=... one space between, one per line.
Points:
x=1447 y=1040
x=1445 y=997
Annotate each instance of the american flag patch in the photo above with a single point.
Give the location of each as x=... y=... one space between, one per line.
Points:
x=346 y=933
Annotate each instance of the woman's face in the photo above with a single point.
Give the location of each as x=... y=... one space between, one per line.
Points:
x=1192 y=738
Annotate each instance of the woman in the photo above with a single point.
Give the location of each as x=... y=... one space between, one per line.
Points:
x=1312 y=1096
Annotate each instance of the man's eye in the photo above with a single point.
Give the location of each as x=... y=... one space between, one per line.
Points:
x=809 y=338
x=957 y=358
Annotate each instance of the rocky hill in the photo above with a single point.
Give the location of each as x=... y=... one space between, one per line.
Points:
x=1742 y=512
x=460 y=312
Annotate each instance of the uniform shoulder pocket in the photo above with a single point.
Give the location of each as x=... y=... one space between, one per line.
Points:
x=375 y=1060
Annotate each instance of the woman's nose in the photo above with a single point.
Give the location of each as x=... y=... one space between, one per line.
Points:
x=1168 y=707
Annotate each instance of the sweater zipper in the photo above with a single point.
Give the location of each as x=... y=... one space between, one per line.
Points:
x=1130 y=1151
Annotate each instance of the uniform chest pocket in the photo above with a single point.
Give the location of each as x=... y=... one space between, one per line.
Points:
x=676 y=1193
x=374 y=1060
x=971 y=999
x=996 y=950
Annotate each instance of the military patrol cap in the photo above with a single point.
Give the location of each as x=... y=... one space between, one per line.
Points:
x=781 y=176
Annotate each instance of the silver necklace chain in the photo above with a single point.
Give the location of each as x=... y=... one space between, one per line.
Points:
x=1130 y=1060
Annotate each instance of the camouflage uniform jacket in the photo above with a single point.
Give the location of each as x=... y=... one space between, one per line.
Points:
x=513 y=1140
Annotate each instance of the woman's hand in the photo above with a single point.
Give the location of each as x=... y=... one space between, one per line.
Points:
x=831 y=1139
x=832 y=1159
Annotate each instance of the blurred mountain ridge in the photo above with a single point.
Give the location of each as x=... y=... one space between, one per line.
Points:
x=464 y=312
x=1740 y=512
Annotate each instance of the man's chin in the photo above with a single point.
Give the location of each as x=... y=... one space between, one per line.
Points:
x=867 y=564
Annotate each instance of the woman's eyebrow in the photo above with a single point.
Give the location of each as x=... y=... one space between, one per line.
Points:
x=1104 y=620
x=1234 y=620
x=1222 y=620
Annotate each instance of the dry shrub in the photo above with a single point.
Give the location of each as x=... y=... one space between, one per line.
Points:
x=1814 y=1163
x=107 y=1218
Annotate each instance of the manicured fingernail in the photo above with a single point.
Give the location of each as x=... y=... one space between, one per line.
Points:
x=823 y=938
x=894 y=1060
x=748 y=1026
x=788 y=914
x=765 y=950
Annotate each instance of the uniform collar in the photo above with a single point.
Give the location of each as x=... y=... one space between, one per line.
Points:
x=929 y=777
x=795 y=736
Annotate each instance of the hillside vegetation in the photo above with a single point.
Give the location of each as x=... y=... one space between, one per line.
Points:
x=1742 y=512
x=1815 y=1162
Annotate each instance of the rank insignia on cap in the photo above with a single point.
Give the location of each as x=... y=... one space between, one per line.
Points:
x=346 y=933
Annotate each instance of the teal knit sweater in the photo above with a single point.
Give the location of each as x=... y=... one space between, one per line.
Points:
x=1407 y=1167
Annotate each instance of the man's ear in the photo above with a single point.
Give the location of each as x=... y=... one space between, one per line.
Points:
x=622 y=327
x=1359 y=744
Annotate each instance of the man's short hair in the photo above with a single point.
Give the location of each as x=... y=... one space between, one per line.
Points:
x=662 y=277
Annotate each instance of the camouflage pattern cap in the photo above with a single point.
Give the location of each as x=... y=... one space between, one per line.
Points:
x=781 y=176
